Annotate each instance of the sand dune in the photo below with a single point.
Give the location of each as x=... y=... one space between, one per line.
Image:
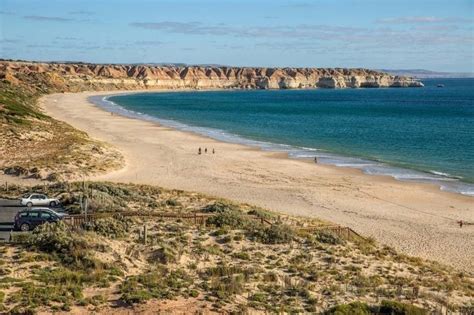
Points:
x=417 y=219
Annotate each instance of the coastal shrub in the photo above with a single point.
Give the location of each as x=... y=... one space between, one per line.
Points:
x=163 y=255
x=260 y=213
x=385 y=308
x=274 y=234
x=226 y=287
x=62 y=243
x=114 y=190
x=242 y=255
x=159 y=284
x=328 y=238
x=230 y=218
x=225 y=271
x=172 y=202
x=354 y=308
x=220 y=207
x=398 y=308
x=32 y=296
x=109 y=227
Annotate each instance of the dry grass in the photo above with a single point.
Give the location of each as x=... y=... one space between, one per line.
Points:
x=35 y=145
x=221 y=267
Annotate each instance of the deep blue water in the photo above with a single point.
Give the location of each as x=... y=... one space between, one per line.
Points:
x=424 y=134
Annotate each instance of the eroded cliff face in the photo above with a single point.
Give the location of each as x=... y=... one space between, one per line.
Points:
x=77 y=77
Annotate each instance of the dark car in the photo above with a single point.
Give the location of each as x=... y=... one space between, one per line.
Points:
x=28 y=219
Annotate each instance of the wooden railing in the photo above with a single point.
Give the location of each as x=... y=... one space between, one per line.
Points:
x=201 y=219
x=196 y=218
x=342 y=231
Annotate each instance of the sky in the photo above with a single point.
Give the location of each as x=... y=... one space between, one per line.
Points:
x=378 y=34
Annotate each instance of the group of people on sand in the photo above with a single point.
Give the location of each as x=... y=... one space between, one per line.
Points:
x=205 y=151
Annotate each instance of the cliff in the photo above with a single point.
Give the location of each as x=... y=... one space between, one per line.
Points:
x=79 y=77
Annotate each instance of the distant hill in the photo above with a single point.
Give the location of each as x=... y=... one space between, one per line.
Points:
x=425 y=74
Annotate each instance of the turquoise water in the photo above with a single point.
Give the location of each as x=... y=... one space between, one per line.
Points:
x=423 y=134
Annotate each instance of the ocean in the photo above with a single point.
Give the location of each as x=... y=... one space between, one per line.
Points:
x=413 y=134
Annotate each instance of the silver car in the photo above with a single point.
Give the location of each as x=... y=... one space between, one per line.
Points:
x=38 y=200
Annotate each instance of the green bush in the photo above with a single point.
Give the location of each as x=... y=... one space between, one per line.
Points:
x=385 y=308
x=109 y=227
x=328 y=238
x=32 y=296
x=274 y=234
x=258 y=297
x=172 y=202
x=398 y=308
x=242 y=255
x=354 y=308
x=226 y=287
x=220 y=207
x=164 y=255
x=59 y=240
x=261 y=213
x=159 y=284
x=231 y=218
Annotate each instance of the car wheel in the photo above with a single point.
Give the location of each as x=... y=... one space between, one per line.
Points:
x=29 y=204
x=52 y=204
x=25 y=227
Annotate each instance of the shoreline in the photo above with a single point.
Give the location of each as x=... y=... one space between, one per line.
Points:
x=417 y=219
x=367 y=166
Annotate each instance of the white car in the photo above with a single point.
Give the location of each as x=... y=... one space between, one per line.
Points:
x=38 y=200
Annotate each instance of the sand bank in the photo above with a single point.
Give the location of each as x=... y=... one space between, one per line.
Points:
x=417 y=219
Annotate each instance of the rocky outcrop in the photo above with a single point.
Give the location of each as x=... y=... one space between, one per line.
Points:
x=77 y=77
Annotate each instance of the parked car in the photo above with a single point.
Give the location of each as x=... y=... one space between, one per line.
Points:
x=38 y=200
x=28 y=219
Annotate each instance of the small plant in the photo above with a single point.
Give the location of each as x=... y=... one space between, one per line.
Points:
x=220 y=207
x=328 y=238
x=109 y=227
x=398 y=308
x=159 y=284
x=172 y=202
x=164 y=255
x=275 y=234
x=242 y=255
x=230 y=218
x=354 y=308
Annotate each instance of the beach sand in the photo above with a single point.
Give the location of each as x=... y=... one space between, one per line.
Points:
x=416 y=219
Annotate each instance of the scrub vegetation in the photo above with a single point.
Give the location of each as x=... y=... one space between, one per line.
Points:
x=233 y=263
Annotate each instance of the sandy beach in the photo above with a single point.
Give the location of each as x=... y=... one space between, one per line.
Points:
x=417 y=219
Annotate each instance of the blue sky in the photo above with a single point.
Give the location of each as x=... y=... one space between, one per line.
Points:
x=402 y=34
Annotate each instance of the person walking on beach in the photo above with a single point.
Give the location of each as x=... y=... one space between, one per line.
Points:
x=316 y=159
x=205 y=150
x=199 y=151
x=213 y=151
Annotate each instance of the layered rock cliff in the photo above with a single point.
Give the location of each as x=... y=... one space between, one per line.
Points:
x=75 y=77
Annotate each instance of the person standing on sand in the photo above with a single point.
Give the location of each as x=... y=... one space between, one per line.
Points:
x=213 y=151
x=316 y=159
x=199 y=151
x=205 y=150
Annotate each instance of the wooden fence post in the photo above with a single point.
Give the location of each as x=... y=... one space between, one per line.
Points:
x=145 y=234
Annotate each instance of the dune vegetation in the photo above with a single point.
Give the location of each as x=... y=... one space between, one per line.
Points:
x=34 y=145
x=241 y=259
